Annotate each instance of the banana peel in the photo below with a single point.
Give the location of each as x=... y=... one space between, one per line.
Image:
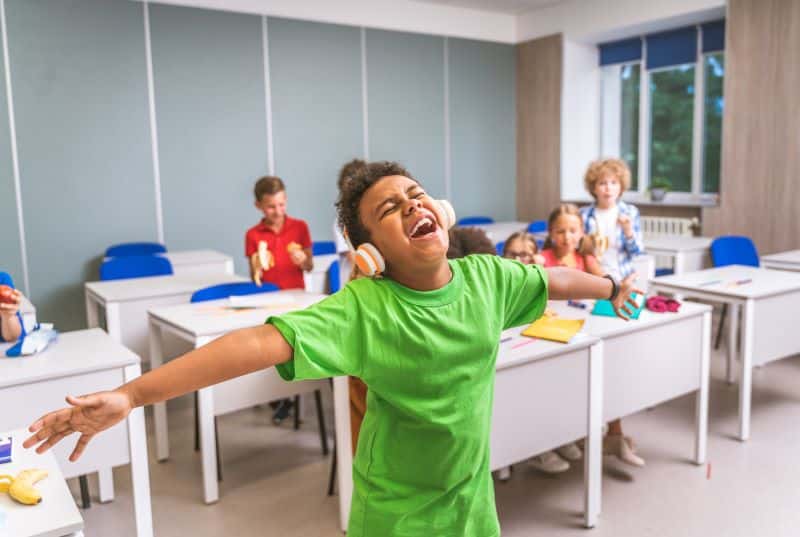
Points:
x=21 y=488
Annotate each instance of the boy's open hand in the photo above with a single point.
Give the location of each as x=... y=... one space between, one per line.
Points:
x=624 y=305
x=298 y=256
x=88 y=415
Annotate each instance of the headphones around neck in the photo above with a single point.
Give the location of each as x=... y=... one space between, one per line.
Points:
x=368 y=258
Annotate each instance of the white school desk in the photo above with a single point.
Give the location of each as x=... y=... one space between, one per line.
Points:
x=768 y=302
x=315 y=281
x=783 y=261
x=80 y=362
x=56 y=515
x=687 y=253
x=652 y=359
x=531 y=374
x=201 y=323
x=126 y=302
x=200 y=262
x=500 y=231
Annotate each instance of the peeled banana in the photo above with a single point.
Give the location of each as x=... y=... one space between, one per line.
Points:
x=22 y=487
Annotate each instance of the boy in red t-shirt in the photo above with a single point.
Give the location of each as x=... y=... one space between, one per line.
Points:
x=287 y=239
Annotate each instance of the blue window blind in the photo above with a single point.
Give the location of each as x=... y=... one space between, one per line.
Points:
x=626 y=50
x=713 y=36
x=675 y=47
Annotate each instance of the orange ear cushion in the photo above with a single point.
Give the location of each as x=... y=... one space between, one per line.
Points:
x=369 y=260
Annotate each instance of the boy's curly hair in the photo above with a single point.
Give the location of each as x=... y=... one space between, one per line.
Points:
x=355 y=178
x=469 y=240
x=609 y=166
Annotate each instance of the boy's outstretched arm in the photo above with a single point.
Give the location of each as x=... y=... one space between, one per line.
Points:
x=235 y=354
x=567 y=283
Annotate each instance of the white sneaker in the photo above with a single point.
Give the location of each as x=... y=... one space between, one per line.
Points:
x=550 y=463
x=570 y=452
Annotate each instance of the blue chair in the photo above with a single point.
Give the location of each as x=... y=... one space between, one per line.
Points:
x=664 y=272
x=499 y=247
x=226 y=290
x=334 y=277
x=135 y=248
x=475 y=220
x=135 y=266
x=732 y=250
x=537 y=226
x=323 y=248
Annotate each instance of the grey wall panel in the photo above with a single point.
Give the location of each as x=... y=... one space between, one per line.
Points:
x=315 y=74
x=78 y=70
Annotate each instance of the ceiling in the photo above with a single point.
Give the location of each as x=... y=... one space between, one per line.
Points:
x=512 y=7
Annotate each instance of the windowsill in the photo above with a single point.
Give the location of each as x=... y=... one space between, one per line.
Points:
x=672 y=199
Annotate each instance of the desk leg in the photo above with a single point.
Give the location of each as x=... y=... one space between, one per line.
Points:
x=733 y=340
x=208 y=447
x=105 y=482
x=701 y=404
x=593 y=456
x=92 y=317
x=344 y=447
x=159 y=409
x=746 y=378
x=113 y=325
x=679 y=267
x=140 y=472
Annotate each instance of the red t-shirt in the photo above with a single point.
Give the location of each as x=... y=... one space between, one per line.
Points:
x=284 y=274
x=550 y=260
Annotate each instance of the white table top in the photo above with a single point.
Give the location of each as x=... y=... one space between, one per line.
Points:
x=56 y=515
x=603 y=327
x=195 y=257
x=791 y=257
x=522 y=349
x=215 y=317
x=676 y=243
x=156 y=286
x=500 y=231
x=73 y=353
x=721 y=281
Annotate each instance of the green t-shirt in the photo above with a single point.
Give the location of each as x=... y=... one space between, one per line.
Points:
x=422 y=462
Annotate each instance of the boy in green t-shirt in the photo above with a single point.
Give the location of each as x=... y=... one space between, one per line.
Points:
x=424 y=338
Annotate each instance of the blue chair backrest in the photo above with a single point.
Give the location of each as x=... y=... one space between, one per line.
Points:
x=734 y=250
x=135 y=248
x=537 y=226
x=475 y=220
x=499 y=247
x=225 y=290
x=135 y=266
x=334 y=277
x=323 y=247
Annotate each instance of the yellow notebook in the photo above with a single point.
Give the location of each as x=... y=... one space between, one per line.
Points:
x=554 y=328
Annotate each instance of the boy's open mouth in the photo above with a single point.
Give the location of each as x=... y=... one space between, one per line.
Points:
x=424 y=228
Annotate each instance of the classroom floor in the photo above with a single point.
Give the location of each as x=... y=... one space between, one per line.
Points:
x=275 y=478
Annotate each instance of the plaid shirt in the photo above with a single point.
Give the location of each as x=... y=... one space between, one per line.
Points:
x=627 y=248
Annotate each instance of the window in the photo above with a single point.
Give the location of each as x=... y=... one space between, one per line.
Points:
x=671 y=127
x=712 y=122
x=662 y=102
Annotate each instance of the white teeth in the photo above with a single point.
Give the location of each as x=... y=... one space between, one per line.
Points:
x=422 y=222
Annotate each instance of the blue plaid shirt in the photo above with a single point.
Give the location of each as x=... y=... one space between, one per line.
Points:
x=5 y=279
x=628 y=248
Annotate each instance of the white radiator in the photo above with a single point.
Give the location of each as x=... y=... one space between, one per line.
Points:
x=668 y=225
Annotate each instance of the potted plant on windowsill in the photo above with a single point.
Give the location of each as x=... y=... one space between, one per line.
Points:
x=659 y=188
